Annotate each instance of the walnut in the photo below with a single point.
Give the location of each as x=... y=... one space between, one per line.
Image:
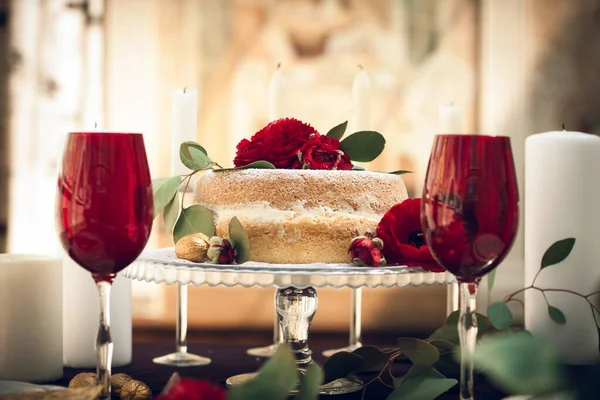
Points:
x=117 y=381
x=135 y=390
x=83 y=380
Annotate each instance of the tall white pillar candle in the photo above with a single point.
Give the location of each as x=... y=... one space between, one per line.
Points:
x=361 y=102
x=184 y=125
x=81 y=313
x=31 y=347
x=449 y=120
x=278 y=95
x=562 y=189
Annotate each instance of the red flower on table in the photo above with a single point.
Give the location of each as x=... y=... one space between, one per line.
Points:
x=322 y=152
x=403 y=238
x=192 y=389
x=278 y=143
x=365 y=251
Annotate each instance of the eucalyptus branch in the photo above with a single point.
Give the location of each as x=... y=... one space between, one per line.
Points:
x=586 y=297
x=379 y=377
x=187 y=184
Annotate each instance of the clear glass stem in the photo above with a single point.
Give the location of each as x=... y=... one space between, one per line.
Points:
x=104 y=345
x=277 y=336
x=356 y=318
x=182 y=319
x=467 y=334
x=296 y=309
x=452 y=298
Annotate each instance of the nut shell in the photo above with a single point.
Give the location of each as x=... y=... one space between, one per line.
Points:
x=135 y=390
x=117 y=381
x=193 y=247
x=83 y=380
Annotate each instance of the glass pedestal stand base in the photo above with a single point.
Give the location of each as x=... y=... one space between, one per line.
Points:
x=295 y=309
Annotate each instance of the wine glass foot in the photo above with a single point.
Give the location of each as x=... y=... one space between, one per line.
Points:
x=349 y=349
x=264 y=352
x=182 y=360
x=339 y=386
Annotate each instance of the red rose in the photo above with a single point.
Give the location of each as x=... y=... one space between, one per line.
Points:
x=322 y=152
x=191 y=389
x=367 y=251
x=400 y=229
x=221 y=251
x=278 y=143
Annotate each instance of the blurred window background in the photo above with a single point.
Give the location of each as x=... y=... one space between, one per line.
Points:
x=514 y=67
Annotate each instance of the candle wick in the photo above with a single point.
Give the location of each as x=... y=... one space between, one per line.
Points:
x=278 y=65
x=563 y=126
x=360 y=66
x=95 y=124
x=184 y=89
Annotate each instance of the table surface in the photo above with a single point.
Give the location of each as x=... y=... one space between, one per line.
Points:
x=227 y=360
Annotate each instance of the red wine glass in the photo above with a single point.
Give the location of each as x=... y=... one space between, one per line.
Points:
x=470 y=217
x=104 y=215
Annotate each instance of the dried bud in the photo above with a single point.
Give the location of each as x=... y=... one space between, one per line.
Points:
x=193 y=247
x=83 y=380
x=135 y=390
x=221 y=251
x=117 y=381
x=366 y=252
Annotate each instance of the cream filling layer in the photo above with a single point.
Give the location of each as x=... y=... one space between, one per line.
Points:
x=264 y=212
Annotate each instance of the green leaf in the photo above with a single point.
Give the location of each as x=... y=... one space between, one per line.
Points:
x=171 y=213
x=556 y=315
x=194 y=219
x=357 y=168
x=421 y=383
x=194 y=158
x=273 y=381
x=340 y=365
x=419 y=351
x=491 y=278
x=500 y=315
x=448 y=333
x=240 y=238
x=310 y=382
x=520 y=364
x=185 y=146
x=557 y=252
x=373 y=357
x=164 y=190
x=400 y=172
x=363 y=146
x=254 y=165
x=444 y=347
x=337 y=132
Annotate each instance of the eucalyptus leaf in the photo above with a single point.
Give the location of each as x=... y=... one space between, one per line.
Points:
x=491 y=279
x=310 y=382
x=500 y=315
x=447 y=333
x=520 y=364
x=373 y=357
x=340 y=365
x=556 y=315
x=557 y=252
x=164 y=189
x=482 y=321
x=240 y=238
x=363 y=146
x=255 y=165
x=337 y=132
x=400 y=172
x=194 y=219
x=184 y=148
x=194 y=158
x=274 y=380
x=421 y=383
x=419 y=351
x=170 y=215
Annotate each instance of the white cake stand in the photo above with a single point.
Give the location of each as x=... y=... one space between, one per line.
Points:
x=296 y=299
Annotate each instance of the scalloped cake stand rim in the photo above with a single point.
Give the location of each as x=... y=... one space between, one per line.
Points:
x=162 y=266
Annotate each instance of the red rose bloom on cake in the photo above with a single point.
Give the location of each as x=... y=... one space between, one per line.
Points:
x=404 y=241
x=322 y=152
x=278 y=143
